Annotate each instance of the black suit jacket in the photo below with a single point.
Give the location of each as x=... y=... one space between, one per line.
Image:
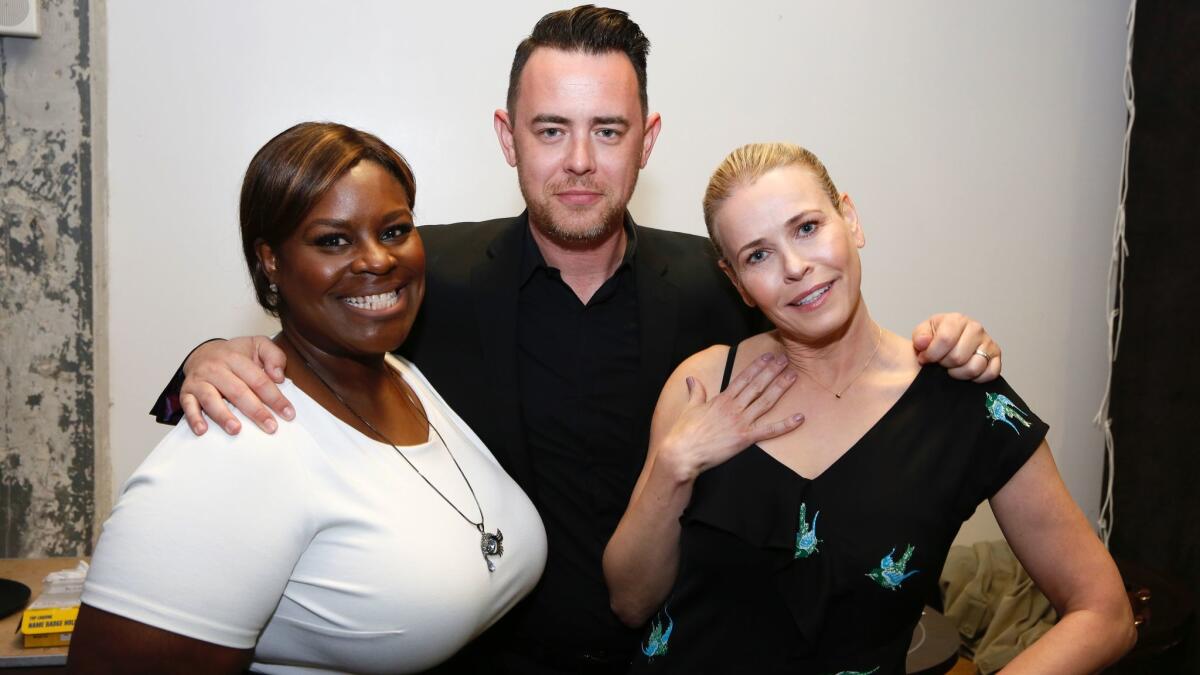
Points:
x=464 y=339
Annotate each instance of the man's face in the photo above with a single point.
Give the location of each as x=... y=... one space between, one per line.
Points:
x=578 y=139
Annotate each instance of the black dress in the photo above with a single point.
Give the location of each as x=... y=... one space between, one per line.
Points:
x=782 y=574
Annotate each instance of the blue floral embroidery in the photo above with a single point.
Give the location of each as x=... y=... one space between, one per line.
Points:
x=806 y=537
x=890 y=573
x=1000 y=408
x=656 y=645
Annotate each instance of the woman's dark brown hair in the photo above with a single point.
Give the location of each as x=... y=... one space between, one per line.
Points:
x=290 y=174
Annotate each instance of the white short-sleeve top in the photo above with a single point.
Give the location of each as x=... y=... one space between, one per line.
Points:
x=316 y=545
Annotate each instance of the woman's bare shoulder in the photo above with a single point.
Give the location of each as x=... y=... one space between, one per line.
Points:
x=708 y=365
x=753 y=347
x=704 y=362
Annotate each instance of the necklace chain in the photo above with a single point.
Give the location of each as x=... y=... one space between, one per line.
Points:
x=838 y=394
x=491 y=544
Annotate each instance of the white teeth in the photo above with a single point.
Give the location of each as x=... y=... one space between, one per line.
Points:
x=378 y=301
x=814 y=296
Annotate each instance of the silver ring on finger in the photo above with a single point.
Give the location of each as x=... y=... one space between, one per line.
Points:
x=986 y=356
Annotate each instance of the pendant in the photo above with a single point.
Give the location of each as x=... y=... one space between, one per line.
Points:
x=491 y=544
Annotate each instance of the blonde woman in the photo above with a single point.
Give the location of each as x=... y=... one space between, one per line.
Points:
x=811 y=551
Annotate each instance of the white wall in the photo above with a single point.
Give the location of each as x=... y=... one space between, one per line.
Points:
x=981 y=142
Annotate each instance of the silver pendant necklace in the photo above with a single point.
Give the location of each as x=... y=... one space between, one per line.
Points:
x=489 y=544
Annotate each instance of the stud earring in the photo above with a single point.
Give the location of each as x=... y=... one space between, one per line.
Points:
x=274 y=288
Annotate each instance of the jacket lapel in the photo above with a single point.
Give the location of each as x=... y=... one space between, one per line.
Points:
x=494 y=289
x=658 y=316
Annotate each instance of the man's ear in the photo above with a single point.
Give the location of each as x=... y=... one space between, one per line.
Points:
x=650 y=135
x=850 y=215
x=733 y=279
x=504 y=133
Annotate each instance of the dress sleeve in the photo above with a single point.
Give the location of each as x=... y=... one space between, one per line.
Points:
x=206 y=533
x=1006 y=435
x=166 y=408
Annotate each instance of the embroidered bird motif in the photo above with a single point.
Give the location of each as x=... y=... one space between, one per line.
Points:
x=890 y=573
x=1000 y=408
x=806 y=536
x=656 y=644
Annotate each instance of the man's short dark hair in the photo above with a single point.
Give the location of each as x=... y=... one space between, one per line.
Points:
x=588 y=29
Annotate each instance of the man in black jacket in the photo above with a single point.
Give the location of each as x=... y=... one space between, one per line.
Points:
x=551 y=333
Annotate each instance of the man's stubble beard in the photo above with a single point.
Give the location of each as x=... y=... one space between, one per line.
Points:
x=541 y=215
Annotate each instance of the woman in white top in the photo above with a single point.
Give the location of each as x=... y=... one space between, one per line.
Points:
x=374 y=532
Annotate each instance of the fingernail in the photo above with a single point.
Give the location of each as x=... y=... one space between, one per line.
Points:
x=289 y=413
x=768 y=357
x=278 y=372
x=271 y=426
x=231 y=427
x=797 y=418
x=690 y=383
x=790 y=375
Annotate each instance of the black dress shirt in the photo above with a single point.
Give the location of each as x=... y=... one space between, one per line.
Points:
x=586 y=436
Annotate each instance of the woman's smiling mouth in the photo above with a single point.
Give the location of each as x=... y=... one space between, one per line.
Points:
x=376 y=302
x=813 y=297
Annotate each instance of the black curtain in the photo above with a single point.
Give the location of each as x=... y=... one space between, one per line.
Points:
x=1155 y=403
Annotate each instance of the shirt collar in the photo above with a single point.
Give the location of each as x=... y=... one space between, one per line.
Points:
x=533 y=260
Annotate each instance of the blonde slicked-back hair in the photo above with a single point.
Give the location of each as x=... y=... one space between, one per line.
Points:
x=746 y=165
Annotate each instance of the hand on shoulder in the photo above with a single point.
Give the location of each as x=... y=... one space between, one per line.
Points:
x=244 y=371
x=958 y=343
